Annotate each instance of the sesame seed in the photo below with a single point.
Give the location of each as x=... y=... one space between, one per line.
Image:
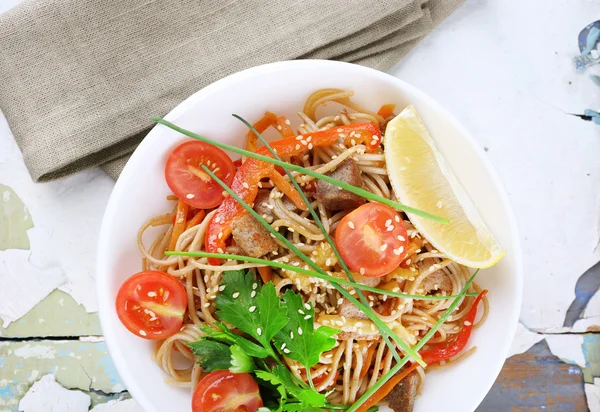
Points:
x=217 y=219
x=221 y=288
x=299 y=137
x=297 y=147
x=339 y=130
x=309 y=138
x=220 y=250
x=207 y=305
x=304 y=142
x=143 y=332
x=388 y=222
x=401 y=238
x=408 y=262
x=235 y=295
x=353 y=142
x=151 y=294
x=258 y=331
x=383 y=247
x=291 y=335
x=307 y=317
x=357 y=134
x=286 y=350
x=253 y=294
x=224 y=193
x=390 y=228
x=439 y=204
x=287 y=122
x=189 y=196
x=467 y=323
x=328 y=262
x=252 y=309
x=372 y=327
x=397 y=218
x=254 y=285
x=259 y=184
x=278 y=127
x=310 y=146
x=362 y=271
x=307 y=306
x=300 y=311
x=351 y=224
x=283 y=346
x=220 y=235
x=398 y=251
x=245 y=185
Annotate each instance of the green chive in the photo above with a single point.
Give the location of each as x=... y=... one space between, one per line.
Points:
x=356 y=190
x=308 y=261
x=418 y=346
x=302 y=271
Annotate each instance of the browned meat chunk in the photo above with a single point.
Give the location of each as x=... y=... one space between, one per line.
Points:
x=334 y=198
x=348 y=310
x=252 y=237
x=436 y=281
x=402 y=397
x=262 y=203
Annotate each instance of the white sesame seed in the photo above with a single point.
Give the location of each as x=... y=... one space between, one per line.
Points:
x=362 y=271
x=439 y=204
x=221 y=288
x=254 y=285
x=291 y=335
x=151 y=294
x=398 y=251
x=258 y=331
x=339 y=130
x=310 y=146
x=307 y=306
x=278 y=127
x=309 y=138
x=253 y=294
x=388 y=222
x=287 y=122
x=217 y=219
x=328 y=262
x=245 y=185
x=220 y=250
x=286 y=350
x=351 y=224
x=235 y=295
x=283 y=346
x=304 y=142
x=383 y=247
x=297 y=147
x=143 y=332
x=207 y=305
x=340 y=301
x=307 y=317
x=467 y=323
x=397 y=218
x=390 y=228
x=290 y=229
x=220 y=235
x=189 y=196
x=300 y=311
x=408 y=261
x=401 y=238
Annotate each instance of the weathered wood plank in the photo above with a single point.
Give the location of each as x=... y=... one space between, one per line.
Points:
x=534 y=381
x=57 y=315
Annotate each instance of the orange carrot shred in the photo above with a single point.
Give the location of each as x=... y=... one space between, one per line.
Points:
x=263 y=124
x=386 y=110
x=284 y=128
x=179 y=226
x=198 y=217
x=386 y=388
x=266 y=273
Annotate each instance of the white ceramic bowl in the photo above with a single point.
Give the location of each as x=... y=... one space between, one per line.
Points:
x=282 y=88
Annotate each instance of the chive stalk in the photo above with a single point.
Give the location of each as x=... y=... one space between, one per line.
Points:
x=331 y=279
x=356 y=190
x=366 y=309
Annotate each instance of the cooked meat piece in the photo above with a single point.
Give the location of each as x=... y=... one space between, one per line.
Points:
x=262 y=200
x=252 y=237
x=435 y=281
x=334 y=198
x=348 y=310
x=402 y=397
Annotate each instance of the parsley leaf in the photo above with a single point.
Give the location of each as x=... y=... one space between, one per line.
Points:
x=298 y=340
x=212 y=356
x=253 y=310
x=226 y=336
x=281 y=376
x=240 y=361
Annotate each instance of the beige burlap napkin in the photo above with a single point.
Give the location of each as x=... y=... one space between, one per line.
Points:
x=79 y=78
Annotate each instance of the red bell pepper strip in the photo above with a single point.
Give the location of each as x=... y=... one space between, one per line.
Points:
x=283 y=127
x=252 y=171
x=269 y=119
x=446 y=350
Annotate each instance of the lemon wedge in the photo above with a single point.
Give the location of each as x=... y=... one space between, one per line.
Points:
x=421 y=178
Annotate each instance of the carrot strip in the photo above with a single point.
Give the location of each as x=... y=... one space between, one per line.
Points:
x=289 y=190
x=198 y=217
x=179 y=226
x=266 y=273
x=367 y=364
x=386 y=388
x=284 y=128
x=386 y=110
x=263 y=124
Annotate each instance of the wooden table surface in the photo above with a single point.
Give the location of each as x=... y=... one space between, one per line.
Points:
x=505 y=70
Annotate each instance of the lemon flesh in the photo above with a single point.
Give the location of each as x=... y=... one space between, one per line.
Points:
x=421 y=178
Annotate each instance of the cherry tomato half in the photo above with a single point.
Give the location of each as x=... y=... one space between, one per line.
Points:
x=152 y=304
x=225 y=391
x=189 y=182
x=372 y=239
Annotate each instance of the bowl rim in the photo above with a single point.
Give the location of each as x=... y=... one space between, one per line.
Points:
x=104 y=306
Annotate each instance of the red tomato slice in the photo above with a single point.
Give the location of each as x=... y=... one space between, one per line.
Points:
x=225 y=391
x=152 y=304
x=189 y=182
x=372 y=239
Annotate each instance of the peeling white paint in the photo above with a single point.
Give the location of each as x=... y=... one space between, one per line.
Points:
x=568 y=348
x=91 y=339
x=66 y=216
x=47 y=395
x=23 y=285
x=592 y=393
x=35 y=351
x=523 y=340
x=127 y=405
